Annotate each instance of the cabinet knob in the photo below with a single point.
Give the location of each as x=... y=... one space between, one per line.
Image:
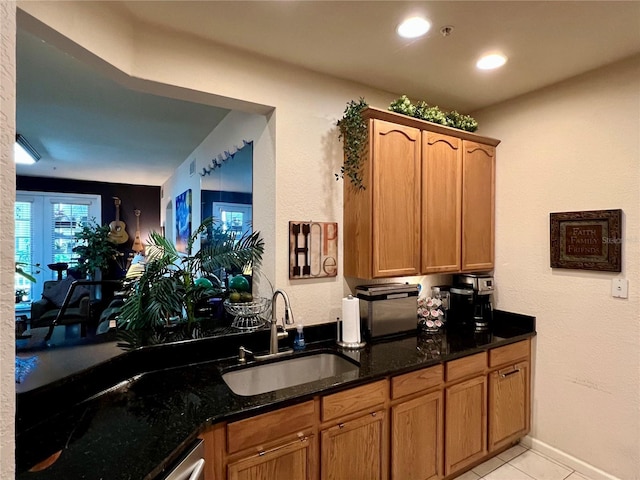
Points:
x=341 y=425
x=373 y=414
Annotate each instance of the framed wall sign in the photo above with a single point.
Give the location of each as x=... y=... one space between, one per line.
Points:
x=589 y=240
x=313 y=249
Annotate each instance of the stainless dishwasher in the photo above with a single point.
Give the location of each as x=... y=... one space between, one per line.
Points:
x=191 y=464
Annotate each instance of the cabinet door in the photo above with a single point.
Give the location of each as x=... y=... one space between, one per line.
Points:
x=293 y=461
x=396 y=182
x=441 y=202
x=355 y=450
x=465 y=423
x=508 y=405
x=478 y=203
x=416 y=438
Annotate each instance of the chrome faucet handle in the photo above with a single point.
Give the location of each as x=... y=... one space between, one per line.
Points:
x=283 y=334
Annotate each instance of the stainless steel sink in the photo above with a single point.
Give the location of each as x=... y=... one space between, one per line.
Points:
x=268 y=377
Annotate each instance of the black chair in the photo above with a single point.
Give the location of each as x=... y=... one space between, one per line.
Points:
x=62 y=318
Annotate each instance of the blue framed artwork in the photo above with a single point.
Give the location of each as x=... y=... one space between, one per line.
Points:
x=183 y=220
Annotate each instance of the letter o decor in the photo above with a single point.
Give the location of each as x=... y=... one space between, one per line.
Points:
x=588 y=240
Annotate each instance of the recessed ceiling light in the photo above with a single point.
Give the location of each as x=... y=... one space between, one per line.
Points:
x=413 y=27
x=489 y=62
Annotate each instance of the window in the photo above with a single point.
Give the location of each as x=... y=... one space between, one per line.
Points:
x=46 y=224
x=23 y=236
x=233 y=217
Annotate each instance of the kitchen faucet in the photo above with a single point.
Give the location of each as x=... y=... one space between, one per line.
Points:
x=275 y=335
x=286 y=320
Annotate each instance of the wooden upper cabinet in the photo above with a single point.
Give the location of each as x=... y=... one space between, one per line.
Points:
x=396 y=199
x=428 y=202
x=441 y=202
x=478 y=206
x=382 y=222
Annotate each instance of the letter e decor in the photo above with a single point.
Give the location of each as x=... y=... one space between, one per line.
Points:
x=589 y=240
x=313 y=249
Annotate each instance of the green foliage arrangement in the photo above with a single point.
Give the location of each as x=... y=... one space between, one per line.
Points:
x=170 y=285
x=94 y=247
x=463 y=122
x=424 y=111
x=355 y=137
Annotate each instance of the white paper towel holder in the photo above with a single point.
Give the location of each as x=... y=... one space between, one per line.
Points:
x=347 y=345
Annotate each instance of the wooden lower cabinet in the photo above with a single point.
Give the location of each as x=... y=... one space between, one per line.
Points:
x=292 y=461
x=423 y=425
x=465 y=423
x=355 y=449
x=417 y=438
x=509 y=404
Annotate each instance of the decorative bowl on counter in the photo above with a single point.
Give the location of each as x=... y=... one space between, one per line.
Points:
x=248 y=315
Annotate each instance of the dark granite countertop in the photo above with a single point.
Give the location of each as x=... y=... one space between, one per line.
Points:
x=131 y=417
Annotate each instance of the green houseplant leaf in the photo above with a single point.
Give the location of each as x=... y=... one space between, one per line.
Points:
x=167 y=288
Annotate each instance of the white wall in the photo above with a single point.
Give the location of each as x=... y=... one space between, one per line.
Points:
x=7 y=198
x=229 y=133
x=574 y=146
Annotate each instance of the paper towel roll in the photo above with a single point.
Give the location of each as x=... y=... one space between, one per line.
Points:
x=350 y=320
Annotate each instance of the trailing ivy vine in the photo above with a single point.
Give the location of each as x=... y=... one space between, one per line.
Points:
x=355 y=137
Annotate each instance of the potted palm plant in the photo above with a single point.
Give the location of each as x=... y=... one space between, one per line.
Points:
x=172 y=283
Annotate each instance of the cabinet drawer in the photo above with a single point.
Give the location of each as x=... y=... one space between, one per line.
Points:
x=270 y=426
x=354 y=400
x=464 y=367
x=509 y=353
x=416 y=381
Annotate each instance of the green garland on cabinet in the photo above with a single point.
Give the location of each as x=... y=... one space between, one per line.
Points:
x=355 y=135
x=433 y=114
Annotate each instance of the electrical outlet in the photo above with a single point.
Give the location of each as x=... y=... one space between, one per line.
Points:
x=620 y=288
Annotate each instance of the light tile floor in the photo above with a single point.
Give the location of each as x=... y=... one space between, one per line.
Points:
x=520 y=463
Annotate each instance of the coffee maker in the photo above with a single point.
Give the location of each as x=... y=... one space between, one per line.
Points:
x=470 y=302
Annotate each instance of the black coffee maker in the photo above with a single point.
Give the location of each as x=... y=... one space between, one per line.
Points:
x=470 y=301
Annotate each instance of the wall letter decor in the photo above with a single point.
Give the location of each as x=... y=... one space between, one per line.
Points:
x=313 y=249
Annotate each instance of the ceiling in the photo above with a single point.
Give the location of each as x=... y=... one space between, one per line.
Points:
x=88 y=127
x=96 y=123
